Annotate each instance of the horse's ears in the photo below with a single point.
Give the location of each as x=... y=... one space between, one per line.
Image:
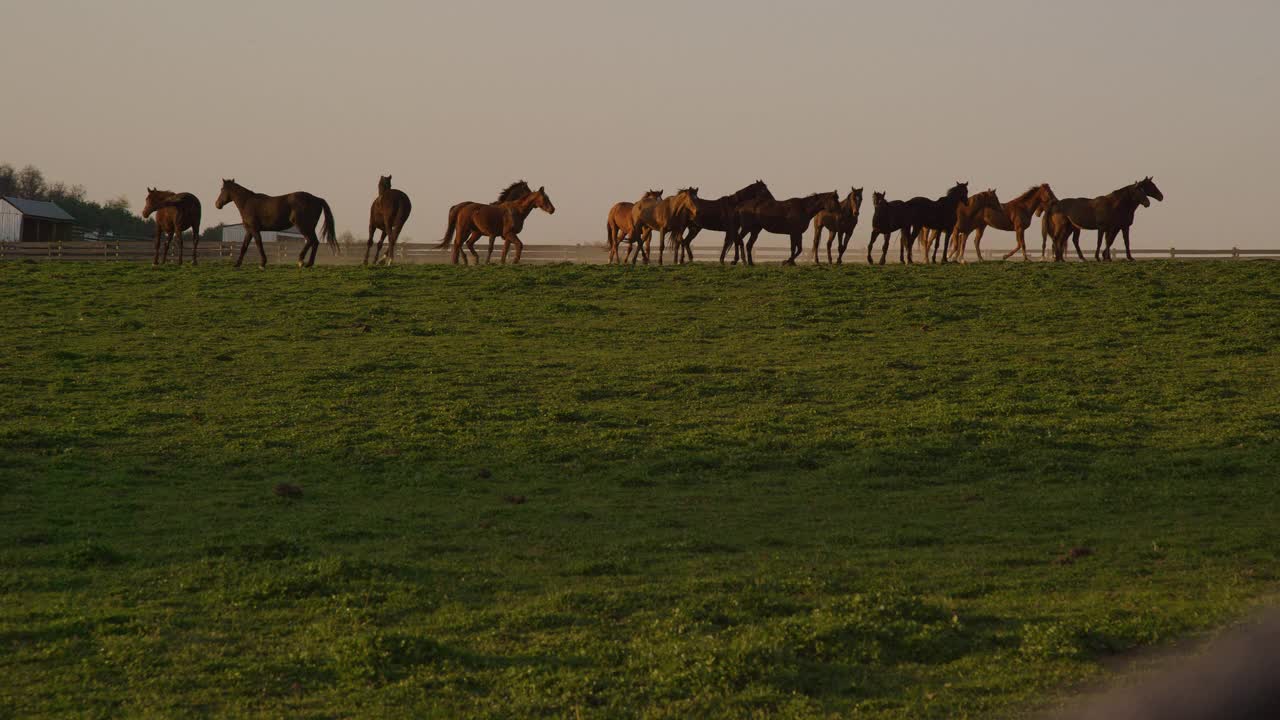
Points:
x=542 y=189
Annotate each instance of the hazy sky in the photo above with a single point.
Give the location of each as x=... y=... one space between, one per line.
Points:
x=601 y=100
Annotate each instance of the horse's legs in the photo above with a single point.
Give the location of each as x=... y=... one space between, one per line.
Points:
x=1097 y=253
x=512 y=239
x=315 y=245
x=688 y=242
x=817 y=241
x=369 y=245
x=1128 y=255
x=195 y=245
x=977 y=242
x=262 y=252
x=159 y=234
x=1020 y=246
x=306 y=245
x=905 y=245
x=178 y=236
x=248 y=238
x=875 y=235
x=751 y=246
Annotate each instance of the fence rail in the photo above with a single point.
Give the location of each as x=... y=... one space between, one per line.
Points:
x=286 y=253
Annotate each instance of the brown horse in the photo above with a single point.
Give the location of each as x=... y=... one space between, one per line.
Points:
x=389 y=213
x=503 y=219
x=970 y=216
x=261 y=212
x=781 y=217
x=619 y=226
x=839 y=224
x=175 y=214
x=888 y=217
x=720 y=215
x=1014 y=216
x=1057 y=226
x=1109 y=214
x=658 y=214
x=515 y=191
x=934 y=218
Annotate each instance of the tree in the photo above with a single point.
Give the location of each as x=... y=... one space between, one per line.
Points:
x=212 y=234
x=30 y=183
x=111 y=218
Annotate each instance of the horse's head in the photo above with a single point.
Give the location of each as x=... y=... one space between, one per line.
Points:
x=959 y=192
x=877 y=199
x=542 y=201
x=1149 y=187
x=987 y=199
x=154 y=198
x=855 y=200
x=684 y=201
x=384 y=184
x=224 y=197
x=1044 y=198
x=653 y=195
x=1138 y=195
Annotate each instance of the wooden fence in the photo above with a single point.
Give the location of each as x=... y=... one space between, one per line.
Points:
x=286 y=253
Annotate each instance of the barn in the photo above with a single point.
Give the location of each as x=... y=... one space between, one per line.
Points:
x=23 y=220
x=234 y=234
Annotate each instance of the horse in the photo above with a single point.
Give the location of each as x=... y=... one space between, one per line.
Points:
x=1109 y=214
x=619 y=226
x=175 y=213
x=888 y=217
x=389 y=213
x=839 y=224
x=261 y=212
x=781 y=217
x=970 y=216
x=514 y=191
x=1014 y=216
x=934 y=216
x=1056 y=225
x=506 y=219
x=656 y=214
x=720 y=215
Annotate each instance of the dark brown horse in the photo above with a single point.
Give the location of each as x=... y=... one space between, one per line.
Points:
x=934 y=218
x=261 y=212
x=515 y=191
x=1014 y=216
x=839 y=226
x=720 y=215
x=175 y=214
x=503 y=219
x=1109 y=214
x=389 y=213
x=781 y=217
x=619 y=226
x=888 y=217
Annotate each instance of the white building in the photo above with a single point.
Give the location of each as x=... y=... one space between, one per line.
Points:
x=23 y=220
x=234 y=234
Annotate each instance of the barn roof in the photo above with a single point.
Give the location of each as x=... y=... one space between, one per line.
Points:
x=40 y=209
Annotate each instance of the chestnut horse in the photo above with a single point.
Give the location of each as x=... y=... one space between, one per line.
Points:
x=1013 y=216
x=175 y=214
x=720 y=215
x=503 y=219
x=839 y=224
x=934 y=218
x=389 y=213
x=1057 y=226
x=656 y=214
x=261 y=212
x=1109 y=214
x=970 y=216
x=888 y=217
x=782 y=217
x=619 y=226
x=514 y=191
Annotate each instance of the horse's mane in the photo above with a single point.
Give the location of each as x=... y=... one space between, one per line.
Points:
x=514 y=191
x=746 y=190
x=1027 y=195
x=684 y=190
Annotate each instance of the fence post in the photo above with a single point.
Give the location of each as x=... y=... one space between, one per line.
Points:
x=1172 y=254
x=1235 y=253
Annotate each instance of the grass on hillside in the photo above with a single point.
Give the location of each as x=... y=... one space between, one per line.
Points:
x=595 y=492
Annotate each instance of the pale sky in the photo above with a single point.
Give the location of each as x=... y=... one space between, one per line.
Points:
x=600 y=101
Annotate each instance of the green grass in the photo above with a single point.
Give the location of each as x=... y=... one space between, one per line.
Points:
x=769 y=493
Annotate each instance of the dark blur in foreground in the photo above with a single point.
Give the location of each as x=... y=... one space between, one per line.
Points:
x=1236 y=678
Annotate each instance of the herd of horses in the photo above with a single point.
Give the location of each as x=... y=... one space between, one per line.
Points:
x=942 y=225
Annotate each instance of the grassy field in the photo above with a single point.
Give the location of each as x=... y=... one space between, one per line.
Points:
x=590 y=492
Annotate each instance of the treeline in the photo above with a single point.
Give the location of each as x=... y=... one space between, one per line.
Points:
x=113 y=217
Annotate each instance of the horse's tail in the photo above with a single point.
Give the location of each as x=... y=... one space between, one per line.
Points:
x=195 y=223
x=329 y=235
x=453 y=223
